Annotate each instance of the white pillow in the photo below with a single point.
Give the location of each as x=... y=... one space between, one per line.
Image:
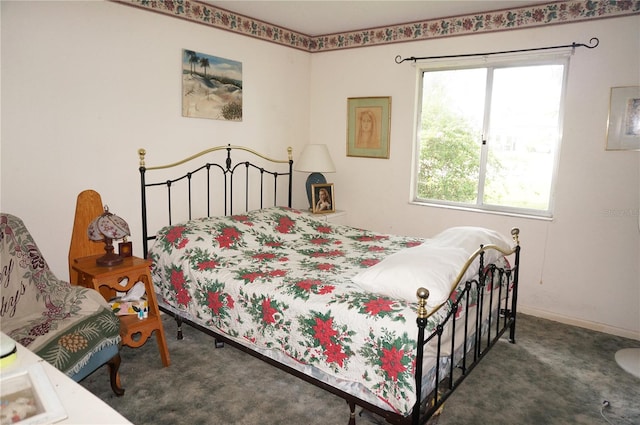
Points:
x=470 y=238
x=435 y=264
x=401 y=274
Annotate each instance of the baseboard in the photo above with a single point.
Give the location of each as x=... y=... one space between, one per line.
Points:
x=626 y=333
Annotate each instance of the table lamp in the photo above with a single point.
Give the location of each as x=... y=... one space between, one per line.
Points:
x=107 y=227
x=315 y=159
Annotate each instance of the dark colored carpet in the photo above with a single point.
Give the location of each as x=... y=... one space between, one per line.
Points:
x=554 y=374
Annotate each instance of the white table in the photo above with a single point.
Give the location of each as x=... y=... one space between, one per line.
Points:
x=81 y=406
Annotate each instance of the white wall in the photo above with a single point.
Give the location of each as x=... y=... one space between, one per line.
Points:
x=85 y=84
x=581 y=267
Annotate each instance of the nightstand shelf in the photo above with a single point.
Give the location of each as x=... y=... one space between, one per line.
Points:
x=108 y=281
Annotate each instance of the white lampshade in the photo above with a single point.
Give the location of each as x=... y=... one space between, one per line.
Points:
x=315 y=159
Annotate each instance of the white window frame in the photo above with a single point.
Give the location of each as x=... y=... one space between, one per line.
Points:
x=560 y=56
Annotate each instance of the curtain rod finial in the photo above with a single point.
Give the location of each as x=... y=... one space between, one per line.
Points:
x=399 y=59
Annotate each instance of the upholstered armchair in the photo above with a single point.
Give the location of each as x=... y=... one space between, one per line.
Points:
x=71 y=327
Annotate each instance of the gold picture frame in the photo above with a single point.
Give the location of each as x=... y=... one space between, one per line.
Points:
x=623 y=125
x=368 y=126
x=323 y=198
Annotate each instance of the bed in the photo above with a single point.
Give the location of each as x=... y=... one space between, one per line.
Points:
x=390 y=323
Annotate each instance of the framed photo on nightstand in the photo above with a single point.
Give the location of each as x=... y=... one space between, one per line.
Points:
x=125 y=249
x=323 y=199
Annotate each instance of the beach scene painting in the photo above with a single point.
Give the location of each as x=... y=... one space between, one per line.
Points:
x=211 y=87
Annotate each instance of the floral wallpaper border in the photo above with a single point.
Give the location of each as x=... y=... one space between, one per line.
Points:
x=559 y=12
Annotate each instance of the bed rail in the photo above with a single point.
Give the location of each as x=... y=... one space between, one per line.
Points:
x=223 y=173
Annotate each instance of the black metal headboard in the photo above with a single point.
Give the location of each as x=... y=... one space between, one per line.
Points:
x=219 y=176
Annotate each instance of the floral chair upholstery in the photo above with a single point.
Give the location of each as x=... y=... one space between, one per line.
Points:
x=71 y=327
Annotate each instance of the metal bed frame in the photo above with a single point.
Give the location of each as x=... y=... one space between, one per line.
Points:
x=480 y=333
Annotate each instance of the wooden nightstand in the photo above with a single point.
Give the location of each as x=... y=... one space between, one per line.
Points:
x=337 y=217
x=106 y=280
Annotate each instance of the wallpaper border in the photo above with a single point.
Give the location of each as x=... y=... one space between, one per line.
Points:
x=558 y=12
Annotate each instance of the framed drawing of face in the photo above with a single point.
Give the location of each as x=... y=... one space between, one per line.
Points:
x=368 y=126
x=323 y=199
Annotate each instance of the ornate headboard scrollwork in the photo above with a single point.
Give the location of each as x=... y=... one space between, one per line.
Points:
x=257 y=171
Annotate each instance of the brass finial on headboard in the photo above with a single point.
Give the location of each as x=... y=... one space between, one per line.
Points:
x=141 y=154
x=423 y=294
x=515 y=232
x=290 y=153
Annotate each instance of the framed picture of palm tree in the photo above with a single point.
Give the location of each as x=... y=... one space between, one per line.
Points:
x=211 y=87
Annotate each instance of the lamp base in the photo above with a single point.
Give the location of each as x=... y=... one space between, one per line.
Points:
x=314 y=178
x=109 y=259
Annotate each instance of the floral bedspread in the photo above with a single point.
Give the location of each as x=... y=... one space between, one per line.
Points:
x=279 y=279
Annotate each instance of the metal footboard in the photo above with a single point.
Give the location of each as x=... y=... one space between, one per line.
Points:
x=479 y=336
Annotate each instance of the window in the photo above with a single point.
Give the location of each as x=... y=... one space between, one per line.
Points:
x=488 y=134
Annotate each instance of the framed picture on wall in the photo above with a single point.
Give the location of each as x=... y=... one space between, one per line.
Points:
x=211 y=87
x=368 y=126
x=323 y=198
x=623 y=126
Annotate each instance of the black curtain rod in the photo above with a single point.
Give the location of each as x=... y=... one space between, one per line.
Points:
x=573 y=45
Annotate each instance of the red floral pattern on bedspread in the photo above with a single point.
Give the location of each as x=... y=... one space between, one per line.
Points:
x=280 y=280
